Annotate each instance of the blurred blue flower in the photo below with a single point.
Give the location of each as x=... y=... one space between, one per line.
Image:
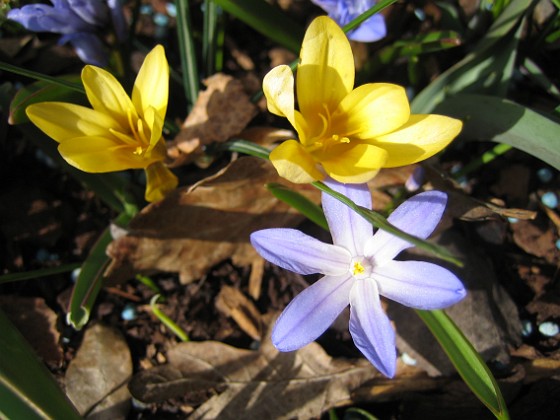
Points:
x=79 y=21
x=344 y=11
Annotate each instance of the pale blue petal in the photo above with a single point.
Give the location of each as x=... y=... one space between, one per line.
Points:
x=89 y=48
x=301 y=253
x=348 y=229
x=311 y=312
x=371 y=30
x=92 y=12
x=418 y=216
x=419 y=284
x=371 y=329
x=43 y=18
x=119 y=22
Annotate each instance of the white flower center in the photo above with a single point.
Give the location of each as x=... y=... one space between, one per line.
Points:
x=360 y=267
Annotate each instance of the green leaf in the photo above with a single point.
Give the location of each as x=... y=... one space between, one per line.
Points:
x=78 y=87
x=487 y=69
x=299 y=202
x=421 y=44
x=494 y=119
x=266 y=19
x=91 y=278
x=466 y=360
x=7 y=278
x=27 y=389
x=43 y=91
x=187 y=51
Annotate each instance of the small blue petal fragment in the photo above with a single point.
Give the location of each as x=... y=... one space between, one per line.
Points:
x=526 y=328
x=558 y=244
x=408 y=360
x=75 y=274
x=161 y=20
x=544 y=175
x=549 y=329
x=129 y=312
x=513 y=219
x=550 y=200
x=171 y=9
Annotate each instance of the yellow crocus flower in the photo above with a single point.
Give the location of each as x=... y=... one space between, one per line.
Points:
x=119 y=132
x=346 y=133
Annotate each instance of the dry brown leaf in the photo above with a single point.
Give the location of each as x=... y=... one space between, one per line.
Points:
x=37 y=323
x=233 y=303
x=196 y=228
x=220 y=112
x=96 y=379
x=260 y=384
x=536 y=238
x=465 y=207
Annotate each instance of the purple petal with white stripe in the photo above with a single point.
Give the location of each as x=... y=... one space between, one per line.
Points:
x=371 y=329
x=301 y=253
x=348 y=229
x=418 y=216
x=419 y=284
x=311 y=312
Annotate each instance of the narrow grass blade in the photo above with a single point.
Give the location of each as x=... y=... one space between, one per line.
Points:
x=466 y=360
x=168 y=322
x=187 y=51
x=367 y=14
x=266 y=19
x=299 y=202
x=210 y=36
x=39 y=76
x=27 y=388
x=35 y=274
x=43 y=91
x=91 y=278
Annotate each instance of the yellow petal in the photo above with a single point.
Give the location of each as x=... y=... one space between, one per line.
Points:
x=107 y=96
x=151 y=87
x=159 y=182
x=293 y=163
x=325 y=73
x=356 y=163
x=278 y=88
x=155 y=124
x=371 y=110
x=101 y=154
x=62 y=121
x=420 y=138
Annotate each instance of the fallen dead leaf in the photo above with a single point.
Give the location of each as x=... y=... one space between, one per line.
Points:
x=465 y=207
x=233 y=303
x=220 y=112
x=536 y=238
x=96 y=379
x=195 y=228
x=260 y=384
x=37 y=323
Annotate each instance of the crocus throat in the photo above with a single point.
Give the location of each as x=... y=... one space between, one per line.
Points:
x=360 y=267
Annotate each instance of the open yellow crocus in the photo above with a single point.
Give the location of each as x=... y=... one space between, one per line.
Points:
x=119 y=132
x=346 y=133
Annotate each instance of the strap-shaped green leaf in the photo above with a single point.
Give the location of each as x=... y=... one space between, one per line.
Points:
x=466 y=360
x=490 y=118
x=27 y=389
